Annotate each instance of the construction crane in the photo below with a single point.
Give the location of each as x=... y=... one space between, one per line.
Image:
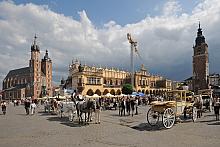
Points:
x=133 y=49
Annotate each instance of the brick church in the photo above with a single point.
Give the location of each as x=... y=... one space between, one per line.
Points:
x=33 y=81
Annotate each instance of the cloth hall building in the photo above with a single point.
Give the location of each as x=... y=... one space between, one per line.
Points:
x=90 y=80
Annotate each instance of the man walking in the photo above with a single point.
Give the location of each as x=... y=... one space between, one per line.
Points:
x=132 y=106
x=3 y=105
x=128 y=106
x=136 y=106
x=123 y=107
x=27 y=106
x=97 y=112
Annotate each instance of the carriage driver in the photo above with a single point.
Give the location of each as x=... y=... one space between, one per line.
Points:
x=77 y=96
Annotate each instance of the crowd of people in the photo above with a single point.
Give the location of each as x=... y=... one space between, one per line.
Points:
x=126 y=105
x=30 y=106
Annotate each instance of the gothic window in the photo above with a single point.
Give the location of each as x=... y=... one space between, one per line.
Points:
x=98 y=81
x=111 y=82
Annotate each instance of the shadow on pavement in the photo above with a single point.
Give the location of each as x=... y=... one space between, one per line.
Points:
x=147 y=127
x=207 y=121
x=24 y=114
x=216 y=123
x=65 y=121
x=115 y=115
x=209 y=115
x=42 y=113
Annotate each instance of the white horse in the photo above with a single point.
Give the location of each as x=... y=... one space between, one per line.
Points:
x=68 y=108
x=198 y=103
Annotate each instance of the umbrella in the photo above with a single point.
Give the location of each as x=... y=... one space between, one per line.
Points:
x=137 y=94
x=109 y=95
x=93 y=96
x=141 y=94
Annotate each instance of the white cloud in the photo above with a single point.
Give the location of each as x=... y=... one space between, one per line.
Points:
x=172 y=7
x=165 y=42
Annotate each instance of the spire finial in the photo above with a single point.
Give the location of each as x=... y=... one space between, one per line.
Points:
x=199 y=24
x=35 y=38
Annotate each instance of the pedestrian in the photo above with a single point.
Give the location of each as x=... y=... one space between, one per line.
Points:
x=123 y=107
x=119 y=107
x=33 y=107
x=3 y=105
x=27 y=106
x=114 y=104
x=15 y=101
x=132 y=106
x=97 y=112
x=216 y=107
x=136 y=106
x=128 y=106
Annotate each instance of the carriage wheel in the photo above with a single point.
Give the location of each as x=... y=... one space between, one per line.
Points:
x=168 y=118
x=152 y=117
x=194 y=114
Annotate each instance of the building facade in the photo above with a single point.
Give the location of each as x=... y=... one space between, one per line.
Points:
x=200 y=63
x=33 y=81
x=214 y=79
x=96 y=80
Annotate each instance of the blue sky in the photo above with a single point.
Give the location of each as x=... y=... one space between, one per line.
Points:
x=102 y=11
x=94 y=31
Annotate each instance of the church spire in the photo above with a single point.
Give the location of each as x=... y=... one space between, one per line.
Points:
x=200 y=38
x=34 y=46
x=46 y=57
x=35 y=39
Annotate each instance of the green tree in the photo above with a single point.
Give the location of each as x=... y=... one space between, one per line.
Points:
x=127 y=89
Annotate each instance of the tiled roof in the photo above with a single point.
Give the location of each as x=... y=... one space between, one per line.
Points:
x=18 y=72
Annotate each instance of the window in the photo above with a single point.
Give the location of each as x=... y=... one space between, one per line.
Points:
x=93 y=80
x=98 y=81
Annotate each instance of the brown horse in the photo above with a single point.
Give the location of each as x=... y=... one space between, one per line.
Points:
x=85 y=107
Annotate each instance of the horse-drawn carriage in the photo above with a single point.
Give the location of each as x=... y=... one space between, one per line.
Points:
x=177 y=103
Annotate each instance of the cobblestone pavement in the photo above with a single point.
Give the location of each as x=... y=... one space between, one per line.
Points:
x=45 y=130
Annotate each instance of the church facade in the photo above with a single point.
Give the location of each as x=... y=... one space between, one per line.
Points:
x=33 y=81
x=200 y=63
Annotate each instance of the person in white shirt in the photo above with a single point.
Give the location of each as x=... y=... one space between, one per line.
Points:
x=33 y=107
